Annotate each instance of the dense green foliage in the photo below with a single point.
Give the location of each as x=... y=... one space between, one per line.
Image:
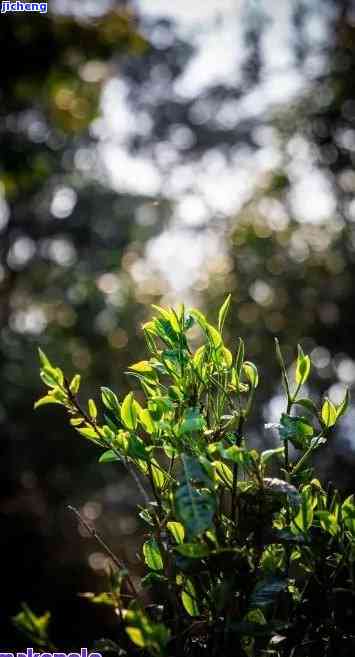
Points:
x=246 y=552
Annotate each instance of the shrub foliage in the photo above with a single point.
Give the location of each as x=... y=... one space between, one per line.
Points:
x=246 y=552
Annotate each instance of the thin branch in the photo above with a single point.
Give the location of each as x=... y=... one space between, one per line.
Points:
x=94 y=534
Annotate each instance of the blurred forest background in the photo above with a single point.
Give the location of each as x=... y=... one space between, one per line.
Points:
x=155 y=152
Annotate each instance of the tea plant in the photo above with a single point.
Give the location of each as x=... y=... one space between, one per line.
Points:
x=238 y=561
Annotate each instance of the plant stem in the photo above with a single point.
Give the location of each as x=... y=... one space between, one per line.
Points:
x=94 y=534
x=235 y=469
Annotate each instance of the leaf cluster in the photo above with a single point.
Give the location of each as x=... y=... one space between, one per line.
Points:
x=235 y=556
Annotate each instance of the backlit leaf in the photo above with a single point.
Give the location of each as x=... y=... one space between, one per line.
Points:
x=251 y=373
x=129 y=412
x=177 y=531
x=303 y=367
x=328 y=413
x=223 y=312
x=189 y=598
x=152 y=555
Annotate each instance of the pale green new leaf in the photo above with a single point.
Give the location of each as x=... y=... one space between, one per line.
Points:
x=223 y=312
x=304 y=518
x=152 y=555
x=177 y=531
x=129 y=412
x=328 y=413
x=48 y=399
x=75 y=384
x=348 y=513
x=303 y=367
x=109 y=457
x=251 y=373
x=343 y=406
x=43 y=359
x=92 y=409
x=189 y=598
x=328 y=522
x=146 y=420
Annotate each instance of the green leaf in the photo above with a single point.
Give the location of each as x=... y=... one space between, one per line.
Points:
x=92 y=409
x=144 y=633
x=100 y=599
x=52 y=376
x=239 y=455
x=251 y=373
x=303 y=367
x=193 y=550
x=34 y=627
x=328 y=413
x=272 y=558
x=297 y=430
x=136 y=448
x=110 y=401
x=169 y=450
x=304 y=518
x=44 y=360
x=328 y=522
x=75 y=384
x=199 y=357
x=189 y=598
x=129 y=412
x=348 y=513
x=169 y=315
x=76 y=421
x=146 y=420
x=223 y=312
x=109 y=457
x=88 y=432
x=160 y=477
x=136 y=635
x=227 y=355
x=224 y=474
x=195 y=505
x=343 y=406
x=143 y=367
x=48 y=399
x=214 y=336
x=153 y=578
x=166 y=332
x=255 y=617
x=152 y=555
x=199 y=317
x=177 y=531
